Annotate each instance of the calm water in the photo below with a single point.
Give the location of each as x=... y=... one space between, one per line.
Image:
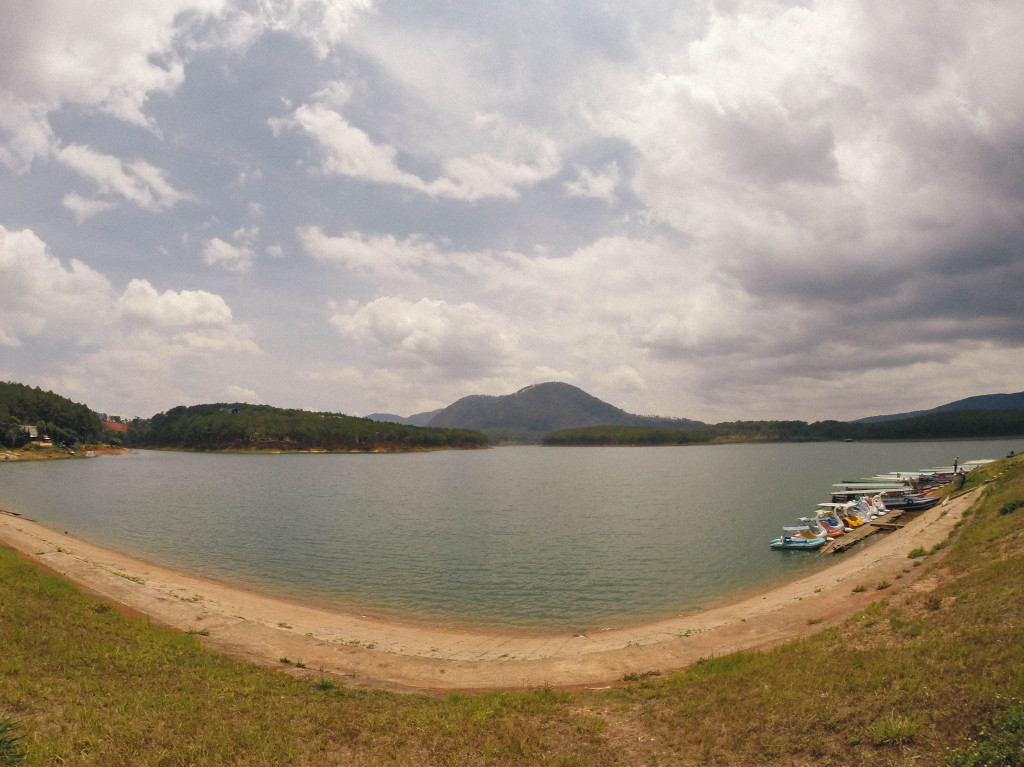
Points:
x=545 y=538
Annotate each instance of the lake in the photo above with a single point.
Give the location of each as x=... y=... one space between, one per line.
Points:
x=538 y=538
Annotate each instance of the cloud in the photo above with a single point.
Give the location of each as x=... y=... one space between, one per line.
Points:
x=190 y=319
x=521 y=159
x=322 y=23
x=383 y=255
x=40 y=296
x=598 y=184
x=349 y=151
x=138 y=182
x=241 y=394
x=692 y=209
x=115 y=56
x=84 y=208
x=463 y=340
x=232 y=258
x=25 y=133
x=111 y=56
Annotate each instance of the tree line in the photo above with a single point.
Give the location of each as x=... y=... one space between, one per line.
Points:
x=64 y=421
x=236 y=426
x=957 y=424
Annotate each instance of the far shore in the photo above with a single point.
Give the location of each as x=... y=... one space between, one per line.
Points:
x=366 y=652
x=43 y=452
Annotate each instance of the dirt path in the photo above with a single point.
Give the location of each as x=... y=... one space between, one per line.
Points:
x=368 y=652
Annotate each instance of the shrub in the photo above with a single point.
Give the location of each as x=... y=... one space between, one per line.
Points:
x=1012 y=506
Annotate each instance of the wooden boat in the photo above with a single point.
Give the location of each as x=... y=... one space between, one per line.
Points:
x=908 y=501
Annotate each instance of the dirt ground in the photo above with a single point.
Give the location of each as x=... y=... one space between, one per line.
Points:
x=366 y=651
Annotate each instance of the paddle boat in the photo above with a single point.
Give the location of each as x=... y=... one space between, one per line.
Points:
x=866 y=508
x=846 y=511
x=832 y=522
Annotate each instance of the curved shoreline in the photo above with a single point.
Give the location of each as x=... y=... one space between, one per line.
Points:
x=385 y=654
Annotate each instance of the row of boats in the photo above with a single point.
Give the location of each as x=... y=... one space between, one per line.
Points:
x=857 y=502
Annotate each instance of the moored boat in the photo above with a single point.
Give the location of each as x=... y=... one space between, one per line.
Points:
x=798 y=538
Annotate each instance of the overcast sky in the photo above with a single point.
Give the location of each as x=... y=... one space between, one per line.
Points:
x=710 y=210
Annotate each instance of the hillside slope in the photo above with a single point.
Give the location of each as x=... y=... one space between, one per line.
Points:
x=980 y=402
x=530 y=413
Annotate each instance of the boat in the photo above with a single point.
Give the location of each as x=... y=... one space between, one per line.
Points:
x=907 y=501
x=866 y=508
x=846 y=511
x=798 y=538
x=831 y=521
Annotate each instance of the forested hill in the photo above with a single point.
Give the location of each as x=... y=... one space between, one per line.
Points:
x=239 y=426
x=61 y=419
x=530 y=413
x=959 y=424
x=980 y=402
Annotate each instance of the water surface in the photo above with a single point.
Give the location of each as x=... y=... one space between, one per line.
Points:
x=529 y=537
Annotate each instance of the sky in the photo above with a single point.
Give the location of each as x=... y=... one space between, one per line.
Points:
x=717 y=210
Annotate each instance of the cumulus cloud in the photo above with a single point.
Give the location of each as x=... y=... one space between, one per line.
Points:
x=233 y=258
x=193 y=319
x=463 y=339
x=40 y=296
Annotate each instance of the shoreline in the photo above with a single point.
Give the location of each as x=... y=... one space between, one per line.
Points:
x=379 y=653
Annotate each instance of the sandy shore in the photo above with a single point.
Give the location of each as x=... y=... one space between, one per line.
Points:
x=368 y=652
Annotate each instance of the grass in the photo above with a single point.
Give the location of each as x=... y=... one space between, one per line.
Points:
x=903 y=682
x=12 y=744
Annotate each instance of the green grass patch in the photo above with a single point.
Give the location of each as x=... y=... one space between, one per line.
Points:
x=1002 y=743
x=12 y=743
x=1012 y=506
x=894 y=730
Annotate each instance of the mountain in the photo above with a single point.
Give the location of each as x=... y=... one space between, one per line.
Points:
x=530 y=413
x=980 y=402
x=416 y=419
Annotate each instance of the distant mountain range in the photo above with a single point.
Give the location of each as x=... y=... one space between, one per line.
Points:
x=980 y=402
x=417 y=419
x=530 y=413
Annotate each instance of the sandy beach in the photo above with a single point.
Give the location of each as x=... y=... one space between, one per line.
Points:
x=361 y=651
